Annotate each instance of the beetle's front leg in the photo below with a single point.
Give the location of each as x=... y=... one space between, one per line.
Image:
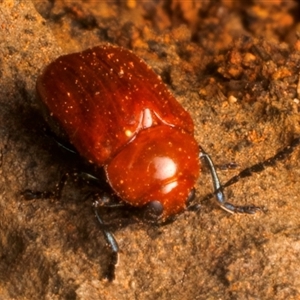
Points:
x=218 y=190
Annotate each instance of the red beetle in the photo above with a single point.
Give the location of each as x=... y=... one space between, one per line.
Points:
x=118 y=114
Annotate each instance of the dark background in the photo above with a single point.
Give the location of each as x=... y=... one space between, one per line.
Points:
x=235 y=68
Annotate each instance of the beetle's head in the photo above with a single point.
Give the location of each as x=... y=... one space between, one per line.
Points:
x=161 y=165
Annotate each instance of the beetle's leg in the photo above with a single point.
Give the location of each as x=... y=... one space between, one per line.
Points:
x=228 y=166
x=280 y=155
x=104 y=199
x=218 y=189
x=62 y=142
x=31 y=195
x=189 y=202
x=111 y=241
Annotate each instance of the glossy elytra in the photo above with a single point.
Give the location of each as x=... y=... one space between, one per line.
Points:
x=119 y=115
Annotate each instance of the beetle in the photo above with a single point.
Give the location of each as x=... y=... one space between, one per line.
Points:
x=119 y=115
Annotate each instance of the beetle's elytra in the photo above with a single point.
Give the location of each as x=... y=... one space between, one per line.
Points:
x=119 y=115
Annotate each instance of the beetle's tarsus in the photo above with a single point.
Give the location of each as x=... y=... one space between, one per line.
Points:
x=110 y=274
x=250 y=209
x=32 y=195
x=111 y=241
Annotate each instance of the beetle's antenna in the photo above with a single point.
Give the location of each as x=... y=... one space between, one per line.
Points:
x=218 y=189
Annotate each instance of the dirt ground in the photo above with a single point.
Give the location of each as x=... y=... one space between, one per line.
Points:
x=235 y=68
